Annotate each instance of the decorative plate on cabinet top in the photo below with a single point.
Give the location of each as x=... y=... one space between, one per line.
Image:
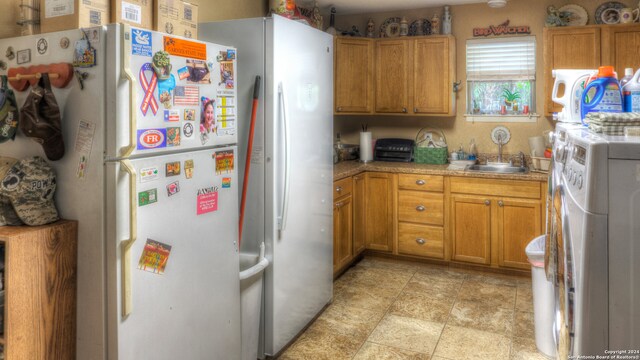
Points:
x=426 y=27
x=577 y=15
x=604 y=10
x=390 y=27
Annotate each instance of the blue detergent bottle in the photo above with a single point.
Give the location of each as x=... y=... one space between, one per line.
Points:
x=607 y=96
x=631 y=94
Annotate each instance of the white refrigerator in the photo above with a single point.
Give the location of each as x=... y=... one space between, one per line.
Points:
x=289 y=195
x=155 y=193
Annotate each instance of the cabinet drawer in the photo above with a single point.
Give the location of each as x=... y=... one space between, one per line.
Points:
x=420 y=207
x=342 y=187
x=421 y=182
x=497 y=187
x=421 y=240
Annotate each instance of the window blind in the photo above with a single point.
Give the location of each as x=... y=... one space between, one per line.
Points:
x=510 y=58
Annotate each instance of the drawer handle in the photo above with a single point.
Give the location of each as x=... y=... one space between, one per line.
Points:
x=420 y=208
x=420 y=241
x=420 y=182
x=487 y=202
x=339 y=189
x=339 y=108
x=500 y=203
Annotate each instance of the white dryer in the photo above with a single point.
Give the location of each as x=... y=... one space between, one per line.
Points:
x=597 y=205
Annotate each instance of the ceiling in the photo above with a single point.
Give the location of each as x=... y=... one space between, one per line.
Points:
x=373 y=6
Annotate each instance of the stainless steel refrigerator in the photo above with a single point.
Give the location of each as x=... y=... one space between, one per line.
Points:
x=155 y=198
x=289 y=200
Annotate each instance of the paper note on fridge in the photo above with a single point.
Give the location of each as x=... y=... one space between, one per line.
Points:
x=154 y=257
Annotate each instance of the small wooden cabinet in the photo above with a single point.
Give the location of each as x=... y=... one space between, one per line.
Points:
x=405 y=76
x=379 y=204
x=40 y=291
x=353 y=75
x=342 y=224
x=588 y=47
x=359 y=213
x=493 y=220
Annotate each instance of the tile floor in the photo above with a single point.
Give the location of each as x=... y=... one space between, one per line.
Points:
x=386 y=309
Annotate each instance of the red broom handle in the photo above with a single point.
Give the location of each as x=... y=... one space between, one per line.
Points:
x=247 y=167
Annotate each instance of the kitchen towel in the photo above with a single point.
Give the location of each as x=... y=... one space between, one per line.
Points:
x=366 y=150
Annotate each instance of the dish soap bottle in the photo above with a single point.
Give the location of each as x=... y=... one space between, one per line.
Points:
x=473 y=154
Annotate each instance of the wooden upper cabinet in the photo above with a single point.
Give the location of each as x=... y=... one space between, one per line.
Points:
x=392 y=76
x=433 y=76
x=621 y=47
x=353 y=75
x=569 y=48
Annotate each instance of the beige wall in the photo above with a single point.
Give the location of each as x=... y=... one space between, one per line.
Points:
x=457 y=129
x=209 y=10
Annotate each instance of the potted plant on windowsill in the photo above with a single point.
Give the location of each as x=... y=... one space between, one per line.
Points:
x=476 y=107
x=511 y=98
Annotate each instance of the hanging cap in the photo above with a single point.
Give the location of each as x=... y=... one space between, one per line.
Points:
x=8 y=216
x=606 y=71
x=30 y=185
x=40 y=119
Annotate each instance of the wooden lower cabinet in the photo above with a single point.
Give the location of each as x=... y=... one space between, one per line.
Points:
x=358 y=214
x=379 y=190
x=471 y=228
x=342 y=232
x=421 y=240
x=519 y=222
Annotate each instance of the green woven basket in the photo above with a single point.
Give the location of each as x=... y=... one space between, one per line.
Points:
x=425 y=155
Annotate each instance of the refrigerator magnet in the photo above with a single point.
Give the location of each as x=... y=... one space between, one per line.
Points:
x=207 y=200
x=84 y=55
x=226 y=183
x=42 y=45
x=183 y=73
x=149 y=85
x=224 y=162
x=149 y=174
x=189 y=114
x=185 y=48
x=226 y=74
x=141 y=43
x=171 y=115
x=172 y=168
x=165 y=89
x=231 y=54
x=147 y=197
x=198 y=72
x=173 y=136
x=23 y=56
x=154 y=257
x=173 y=188
x=188 y=169
x=187 y=130
x=151 y=139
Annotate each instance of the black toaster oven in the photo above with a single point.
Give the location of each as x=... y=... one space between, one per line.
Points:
x=400 y=150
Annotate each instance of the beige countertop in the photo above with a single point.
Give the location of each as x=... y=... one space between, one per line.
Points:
x=345 y=169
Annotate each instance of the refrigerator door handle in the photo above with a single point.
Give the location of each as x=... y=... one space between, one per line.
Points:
x=282 y=218
x=128 y=74
x=127 y=244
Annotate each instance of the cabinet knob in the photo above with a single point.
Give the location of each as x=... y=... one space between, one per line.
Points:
x=338 y=189
x=500 y=203
x=415 y=110
x=339 y=108
x=420 y=208
x=420 y=241
x=404 y=110
x=357 y=178
x=420 y=182
x=487 y=202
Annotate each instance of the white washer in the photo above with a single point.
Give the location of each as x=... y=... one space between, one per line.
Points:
x=598 y=299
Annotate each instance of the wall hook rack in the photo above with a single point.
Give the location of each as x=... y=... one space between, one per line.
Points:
x=21 y=77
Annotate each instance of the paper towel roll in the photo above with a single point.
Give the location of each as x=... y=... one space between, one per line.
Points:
x=366 y=150
x=536 y=145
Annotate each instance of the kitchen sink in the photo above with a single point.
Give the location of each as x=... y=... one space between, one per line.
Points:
x=503 y=169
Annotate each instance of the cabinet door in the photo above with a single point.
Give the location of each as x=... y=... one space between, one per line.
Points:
x=342 y=230
x=433 y=76
x=471 y=228
x=358 y=214
x=392 y=76
x=568 y=48
x=379 y=211
x=519 y=222
x=353 y=75
x=620 y=44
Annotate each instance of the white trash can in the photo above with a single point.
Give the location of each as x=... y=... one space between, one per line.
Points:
x=543 y=298
x=251 y=274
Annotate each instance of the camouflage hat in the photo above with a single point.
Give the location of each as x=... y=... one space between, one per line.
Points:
x=8 y=112
x=30 y=185
x=8 y=216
